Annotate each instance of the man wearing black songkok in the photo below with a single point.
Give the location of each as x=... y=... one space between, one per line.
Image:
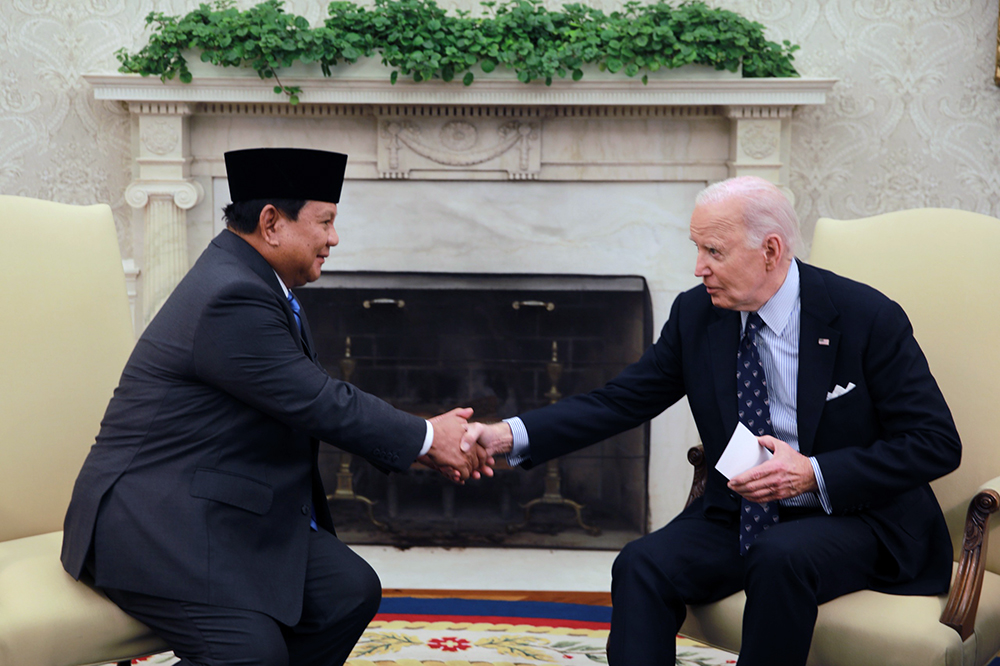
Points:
x=200 y=510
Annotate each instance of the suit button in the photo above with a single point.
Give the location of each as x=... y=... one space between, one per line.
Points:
x=305 y=510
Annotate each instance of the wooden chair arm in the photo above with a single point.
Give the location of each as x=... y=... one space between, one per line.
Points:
x=696 y=456
x=963 y=602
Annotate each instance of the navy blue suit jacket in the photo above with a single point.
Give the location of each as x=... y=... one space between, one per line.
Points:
x=878 y=445
x=200 y=483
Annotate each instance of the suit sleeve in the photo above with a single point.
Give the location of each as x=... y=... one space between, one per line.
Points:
x=244 y=346
x=917 y=441
x=640 y=392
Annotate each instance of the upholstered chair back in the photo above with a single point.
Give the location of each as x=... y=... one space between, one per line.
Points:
x=942 y=267
x=65 y=335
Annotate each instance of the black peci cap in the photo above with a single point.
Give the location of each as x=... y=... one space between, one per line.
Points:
x=285 y=173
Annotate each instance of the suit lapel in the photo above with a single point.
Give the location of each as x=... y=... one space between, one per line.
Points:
x=818 y=342
x=232 y=243
x=723 y=339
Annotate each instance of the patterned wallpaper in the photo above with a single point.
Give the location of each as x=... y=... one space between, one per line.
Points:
x=914 y=120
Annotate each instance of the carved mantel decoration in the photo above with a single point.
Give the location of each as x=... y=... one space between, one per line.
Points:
x=683 y=130
x=459 y=142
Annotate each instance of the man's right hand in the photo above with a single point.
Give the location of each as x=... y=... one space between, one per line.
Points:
x=495 y=438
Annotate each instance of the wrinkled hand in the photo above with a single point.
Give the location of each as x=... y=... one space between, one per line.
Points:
x=450 y=454
x=787 y=474
x=494 y=438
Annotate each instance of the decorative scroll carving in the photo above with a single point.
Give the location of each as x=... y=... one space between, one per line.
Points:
x=963 y=602
x=412 y=145
x=457 y=139
x=186 y=193
x=696 y=456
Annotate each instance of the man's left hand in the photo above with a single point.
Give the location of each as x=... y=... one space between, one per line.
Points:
x=787 y=474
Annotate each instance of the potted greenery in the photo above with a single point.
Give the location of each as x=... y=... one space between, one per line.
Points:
x=418 y=39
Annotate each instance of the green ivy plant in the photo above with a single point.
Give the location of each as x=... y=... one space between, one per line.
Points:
x=418 y=39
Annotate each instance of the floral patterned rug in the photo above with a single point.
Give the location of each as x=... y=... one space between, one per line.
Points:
x=471 y=632
x=412 y=631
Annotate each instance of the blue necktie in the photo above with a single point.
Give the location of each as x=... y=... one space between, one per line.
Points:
x=296 y=308
x=755 y=414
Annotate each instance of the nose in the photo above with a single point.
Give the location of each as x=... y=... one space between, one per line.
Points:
x=701 y=266
x=333 y=239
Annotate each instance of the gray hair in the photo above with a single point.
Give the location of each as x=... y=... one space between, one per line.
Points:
x=766 y=210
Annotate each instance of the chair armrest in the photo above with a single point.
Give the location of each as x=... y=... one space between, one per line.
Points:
x=963 y=602
x=696 y=456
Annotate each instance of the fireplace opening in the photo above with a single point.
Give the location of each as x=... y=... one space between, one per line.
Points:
x=503 y=345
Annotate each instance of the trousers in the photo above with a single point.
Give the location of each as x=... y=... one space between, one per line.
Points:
x=342 y=595
x=803 y=561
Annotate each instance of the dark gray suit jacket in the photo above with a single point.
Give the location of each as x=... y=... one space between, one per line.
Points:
x=200 y=483
x=878 y=446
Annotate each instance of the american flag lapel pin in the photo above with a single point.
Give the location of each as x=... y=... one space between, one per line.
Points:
x=824 y=342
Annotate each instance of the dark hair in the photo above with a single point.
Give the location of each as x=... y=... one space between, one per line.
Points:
x=243 y=216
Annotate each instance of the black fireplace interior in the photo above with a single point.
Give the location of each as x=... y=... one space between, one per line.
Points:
x=502 y=344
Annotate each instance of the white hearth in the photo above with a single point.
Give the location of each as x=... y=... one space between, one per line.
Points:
x=596 y=177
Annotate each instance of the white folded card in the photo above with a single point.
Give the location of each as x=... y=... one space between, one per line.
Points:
x=742 y=452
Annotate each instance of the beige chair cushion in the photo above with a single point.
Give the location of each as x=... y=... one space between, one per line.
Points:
x=871 y=629
x=49 y=619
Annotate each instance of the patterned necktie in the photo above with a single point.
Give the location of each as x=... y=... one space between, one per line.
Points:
x=296 y=308
x=755 y=414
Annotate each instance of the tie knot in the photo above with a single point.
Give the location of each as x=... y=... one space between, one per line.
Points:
x=754 y=322
x=294 y=303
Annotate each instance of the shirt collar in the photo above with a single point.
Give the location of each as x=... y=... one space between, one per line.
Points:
x=283 y=287
x=778 y=309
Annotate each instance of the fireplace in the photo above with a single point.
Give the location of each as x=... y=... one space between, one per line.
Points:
x=502 y=344
x=601 y=180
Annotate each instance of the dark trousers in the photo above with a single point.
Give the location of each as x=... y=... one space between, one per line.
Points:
x=342 y=595
x=807 y=559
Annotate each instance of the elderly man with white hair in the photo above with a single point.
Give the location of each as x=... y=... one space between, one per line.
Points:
x=825 y=372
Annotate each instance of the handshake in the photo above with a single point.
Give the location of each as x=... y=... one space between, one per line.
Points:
x=461 y=450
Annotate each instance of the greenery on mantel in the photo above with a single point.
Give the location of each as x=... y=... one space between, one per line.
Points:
x=419 y=39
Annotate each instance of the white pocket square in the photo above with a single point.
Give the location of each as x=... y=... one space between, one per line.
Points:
x=839 y=390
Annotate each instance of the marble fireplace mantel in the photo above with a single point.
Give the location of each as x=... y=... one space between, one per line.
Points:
x=595 y=176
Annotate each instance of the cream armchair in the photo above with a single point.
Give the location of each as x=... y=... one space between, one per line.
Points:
x=943 y=267
x=65 y=333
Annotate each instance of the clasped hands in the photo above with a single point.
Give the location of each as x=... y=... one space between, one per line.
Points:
x=453 y=452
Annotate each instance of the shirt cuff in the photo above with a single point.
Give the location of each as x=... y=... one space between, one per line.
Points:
x=519 y=450
x=428 y=440
x=824 y=499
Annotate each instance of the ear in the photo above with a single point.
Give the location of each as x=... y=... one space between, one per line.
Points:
x=267 y=224
x=774 y=251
